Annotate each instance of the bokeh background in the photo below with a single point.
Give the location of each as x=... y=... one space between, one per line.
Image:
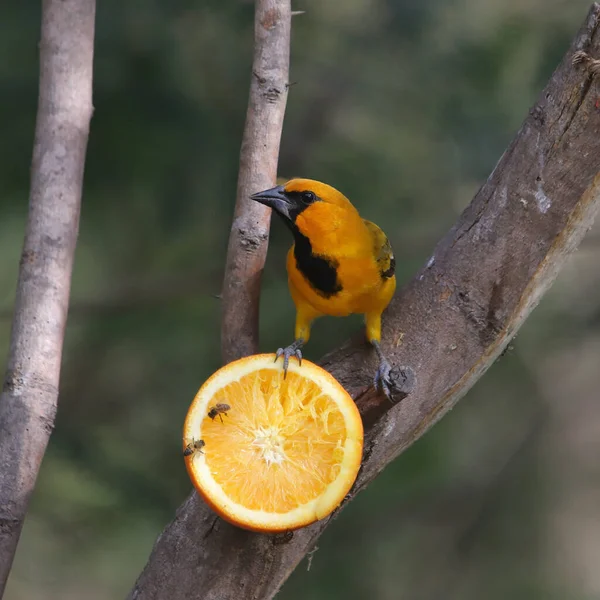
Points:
x=405 y=105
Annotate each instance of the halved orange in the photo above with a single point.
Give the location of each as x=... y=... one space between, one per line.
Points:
x=278 y=454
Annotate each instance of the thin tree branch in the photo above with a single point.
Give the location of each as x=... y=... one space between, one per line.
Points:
x=30 y=390
x=449 y=324
x=249 y=235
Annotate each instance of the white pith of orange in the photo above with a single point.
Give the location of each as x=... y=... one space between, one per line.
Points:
x=288 y=450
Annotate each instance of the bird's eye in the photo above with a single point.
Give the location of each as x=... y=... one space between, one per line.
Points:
x=308 y=197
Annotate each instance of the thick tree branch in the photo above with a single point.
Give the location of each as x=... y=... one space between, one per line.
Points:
x=30 y=390
x=249 y=235
x=449 y=324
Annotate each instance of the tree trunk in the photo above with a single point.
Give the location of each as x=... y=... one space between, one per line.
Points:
x=30 y=391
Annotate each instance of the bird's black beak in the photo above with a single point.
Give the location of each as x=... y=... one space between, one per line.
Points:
x=276 y=199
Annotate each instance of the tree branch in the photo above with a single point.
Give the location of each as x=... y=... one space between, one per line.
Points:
x=450 y=323
x=29 y=394
x=249 y=235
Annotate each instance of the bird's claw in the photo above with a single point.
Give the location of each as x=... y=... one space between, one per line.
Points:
x=382 y=379
x=287 y=353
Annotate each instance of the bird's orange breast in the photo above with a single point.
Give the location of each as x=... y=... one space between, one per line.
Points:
x=361 y=287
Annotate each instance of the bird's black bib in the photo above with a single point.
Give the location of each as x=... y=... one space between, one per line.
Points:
x=319 y=271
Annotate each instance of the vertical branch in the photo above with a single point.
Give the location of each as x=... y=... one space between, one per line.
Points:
x=181 y=564
x=249 y=235
x=30 y=390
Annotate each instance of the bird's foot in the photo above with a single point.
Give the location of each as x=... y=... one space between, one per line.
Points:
x=382 y=380
x=288 y=352
x=401 y=380
x=592 y=65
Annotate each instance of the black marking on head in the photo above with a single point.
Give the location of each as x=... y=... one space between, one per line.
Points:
x=319 y=271
x=300 y=201
x=389 y=272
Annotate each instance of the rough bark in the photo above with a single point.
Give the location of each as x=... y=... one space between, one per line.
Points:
x=449 y=324
x=30 y=390
x=249 y=235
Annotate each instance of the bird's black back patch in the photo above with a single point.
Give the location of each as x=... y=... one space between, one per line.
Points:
x=319 y=271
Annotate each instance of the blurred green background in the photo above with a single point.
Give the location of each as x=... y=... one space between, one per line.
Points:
x=405 y=105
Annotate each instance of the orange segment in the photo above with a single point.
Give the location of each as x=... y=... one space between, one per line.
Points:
x=285 y=452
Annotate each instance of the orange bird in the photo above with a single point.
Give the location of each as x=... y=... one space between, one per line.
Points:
x=339 y=264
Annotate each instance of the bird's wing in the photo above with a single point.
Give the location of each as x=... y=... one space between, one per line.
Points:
x=382 y=250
